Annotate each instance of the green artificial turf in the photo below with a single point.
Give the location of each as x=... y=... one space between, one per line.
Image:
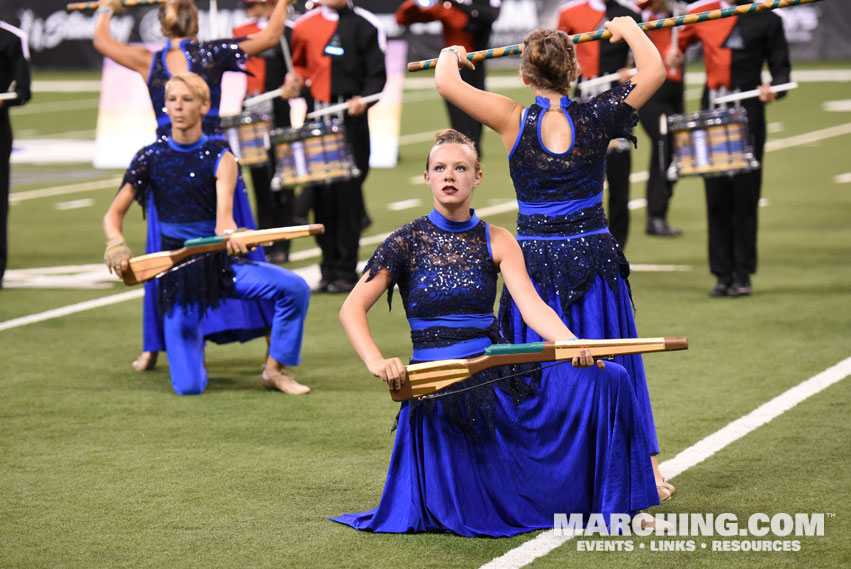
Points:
x=105 y=467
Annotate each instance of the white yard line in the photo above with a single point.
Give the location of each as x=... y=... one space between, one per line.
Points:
x=71 y=309
x=695 y=454
x=16 y=197
x=808 y=137
x=55 y=107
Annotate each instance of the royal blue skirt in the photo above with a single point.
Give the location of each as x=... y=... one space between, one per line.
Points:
x=577 y=446
x=601 y=313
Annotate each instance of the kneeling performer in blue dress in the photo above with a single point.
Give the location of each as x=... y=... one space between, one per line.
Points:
x=193 y=179
x=489 y=456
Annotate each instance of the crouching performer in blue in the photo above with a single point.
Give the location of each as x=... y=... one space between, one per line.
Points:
x=486 y=457
x=193 y=179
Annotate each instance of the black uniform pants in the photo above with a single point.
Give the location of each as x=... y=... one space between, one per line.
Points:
x=274 y=208
x=618 y=167
x=732 y=203
x=340 y=207
x=5 y=154
x=668 y=100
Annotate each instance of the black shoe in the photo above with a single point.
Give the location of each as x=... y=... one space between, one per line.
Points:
x=340 y=286
x=740 y=289
x=322 y=286
x=659 y=227
x=721 y=288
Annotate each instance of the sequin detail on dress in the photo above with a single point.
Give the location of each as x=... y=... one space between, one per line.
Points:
x=210 y=60
x=183 y=181
x=443 y=273
x=565 y=252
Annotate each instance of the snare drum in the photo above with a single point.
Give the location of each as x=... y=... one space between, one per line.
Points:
x=316 y=153
x=248 y=135
x=712 y=143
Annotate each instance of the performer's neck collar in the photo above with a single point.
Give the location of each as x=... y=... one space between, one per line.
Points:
x=544 y=102
x=442 y=222
x=180 y=147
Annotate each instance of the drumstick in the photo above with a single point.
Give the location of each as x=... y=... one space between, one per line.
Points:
x=94 y=5
x=754 y=93
x=267 y=96
x=8 y=96
x=341 y=107
x=646 y=26
x=603 y=79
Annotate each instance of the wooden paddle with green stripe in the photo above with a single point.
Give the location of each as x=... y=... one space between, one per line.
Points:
x=429 y=377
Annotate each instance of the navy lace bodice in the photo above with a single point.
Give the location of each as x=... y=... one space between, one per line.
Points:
x=210 y=60
x=448 y=282
x=182 y=178
x=561 y=225
x=440 y=272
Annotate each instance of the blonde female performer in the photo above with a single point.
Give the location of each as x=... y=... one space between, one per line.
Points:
x=489 y=456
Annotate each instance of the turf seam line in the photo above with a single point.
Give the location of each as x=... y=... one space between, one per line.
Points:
x=693 y=455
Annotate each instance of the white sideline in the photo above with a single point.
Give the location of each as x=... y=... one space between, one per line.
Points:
x=695 y=454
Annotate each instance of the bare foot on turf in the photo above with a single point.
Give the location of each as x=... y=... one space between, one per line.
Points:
x=282 y=380
x=146 y=361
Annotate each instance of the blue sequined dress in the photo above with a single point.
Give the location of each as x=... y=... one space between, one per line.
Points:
x=210 y=60
x=502 y=458
x=575 y=263
x=235 y=319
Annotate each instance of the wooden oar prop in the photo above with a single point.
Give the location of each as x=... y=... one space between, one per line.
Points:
x=146 y=267
x=94 y=5
x=646 y=26
x=426 y=378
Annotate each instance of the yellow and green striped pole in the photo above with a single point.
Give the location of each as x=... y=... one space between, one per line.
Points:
x=94 y=5
x=683 y=20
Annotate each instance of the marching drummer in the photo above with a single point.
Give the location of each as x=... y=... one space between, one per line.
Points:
x=732 y=201
x=338 y=48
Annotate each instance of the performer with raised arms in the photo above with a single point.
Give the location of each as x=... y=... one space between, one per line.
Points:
x=502 y=458
x=234 y=319
x=202 y=205
x=557 y=159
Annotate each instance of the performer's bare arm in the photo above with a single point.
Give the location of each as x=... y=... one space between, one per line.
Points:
x=270 y=35
x=491 y=109
x=648 y=62
x=133 y=57
x=226 y=176
x=508 y=257
x=117 y=254
x=355 y=323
